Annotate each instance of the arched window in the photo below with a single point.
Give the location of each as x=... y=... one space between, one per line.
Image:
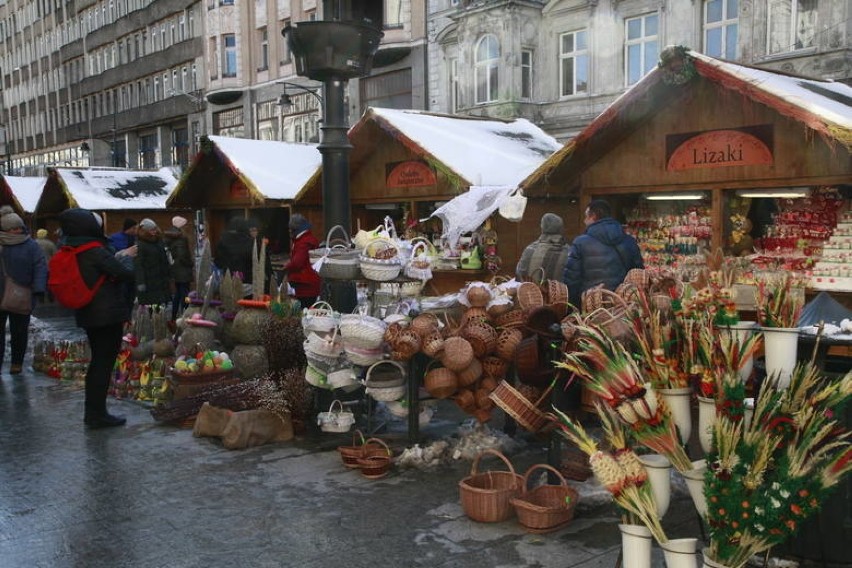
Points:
x=487 y=60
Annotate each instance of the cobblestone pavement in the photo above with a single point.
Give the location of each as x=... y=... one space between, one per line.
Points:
x=148 y=495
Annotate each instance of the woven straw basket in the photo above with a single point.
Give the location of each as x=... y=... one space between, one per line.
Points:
x=517 y=406
x=547 y=507
x=487 y=497
x=388 y=385
x=340 y=260
x=440 y=382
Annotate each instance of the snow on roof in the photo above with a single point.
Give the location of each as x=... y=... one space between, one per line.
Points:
x=27 y=190
x=829 y=100
x=484 y=152
x=278 y=170
x=118 y=189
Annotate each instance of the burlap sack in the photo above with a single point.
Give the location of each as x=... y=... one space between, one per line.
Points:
x=251 y=428
x=211 y=421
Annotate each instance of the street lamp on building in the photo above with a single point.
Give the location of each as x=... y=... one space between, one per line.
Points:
x=285 y=101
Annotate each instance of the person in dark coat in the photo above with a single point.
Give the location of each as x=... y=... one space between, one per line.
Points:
x=549 y=252
x=103 y=318
x=301 y=276
x=152 y=268
x=603 y=254
x=126 y=237
x=234 y=250
x=24 y=262
x=182 y=262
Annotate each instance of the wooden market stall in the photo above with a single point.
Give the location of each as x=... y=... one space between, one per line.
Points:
x=703 y=153
x=22 y=194
x=235 y=177
x=115 y=194
x=405 y=163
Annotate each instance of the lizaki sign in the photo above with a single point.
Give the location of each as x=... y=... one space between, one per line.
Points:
x=747 y=146
x=412 y=173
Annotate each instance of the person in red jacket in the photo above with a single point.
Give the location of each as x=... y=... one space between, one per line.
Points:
x=301 y=276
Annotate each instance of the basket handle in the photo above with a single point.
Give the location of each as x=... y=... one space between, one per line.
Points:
x=381 y=240
x=355 y=440
x=377 y=363
x=322 y=304
x=430 y=248
x=339 y=228
x=549 y=468
x=378 y=442
x=417 y=246
x=531 y=277
x=474 y=468
x=390 y=228
x=331 y=407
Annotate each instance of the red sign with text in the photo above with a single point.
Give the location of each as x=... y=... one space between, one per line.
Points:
x=719 y=149
x=412 y=173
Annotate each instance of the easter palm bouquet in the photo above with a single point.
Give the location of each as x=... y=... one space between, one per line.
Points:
x=779 y=301
x=767 y=476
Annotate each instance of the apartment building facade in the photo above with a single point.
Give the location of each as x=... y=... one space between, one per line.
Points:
x=560 y=63
x=100 y=83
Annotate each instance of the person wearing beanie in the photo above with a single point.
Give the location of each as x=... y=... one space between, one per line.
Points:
x=126 y=237
x=300 y=274
x=104 y=317
x=23 y=262
x=48 y=247
x=152 y=266
x=547 y=254
x=182 y=266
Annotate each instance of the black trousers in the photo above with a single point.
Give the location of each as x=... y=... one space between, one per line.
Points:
x=105 y=342
x=19 y=333
x=179 y=300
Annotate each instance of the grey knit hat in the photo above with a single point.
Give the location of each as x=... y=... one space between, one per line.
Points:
x=11 y=221
x=551 y=224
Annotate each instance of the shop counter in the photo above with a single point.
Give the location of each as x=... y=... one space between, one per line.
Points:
x=449 y=281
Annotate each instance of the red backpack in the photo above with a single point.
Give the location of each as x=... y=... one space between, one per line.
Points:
x=65 y=281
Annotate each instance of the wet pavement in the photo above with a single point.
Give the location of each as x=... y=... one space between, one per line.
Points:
x=149 y=495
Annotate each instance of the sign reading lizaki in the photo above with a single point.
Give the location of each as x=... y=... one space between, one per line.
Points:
x=412 y=173
x=746 y=146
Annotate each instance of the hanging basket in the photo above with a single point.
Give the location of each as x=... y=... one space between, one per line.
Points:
x=487 y=497
x=507 y=343
x=419 y=266
x=481 y=336
x=338 y=260
x=440 y=382
x=362 y=331
x=432 y=343
x=516 y=405
x=388 y=384
x=547 y=507
x=319 y=318
x=457 y=353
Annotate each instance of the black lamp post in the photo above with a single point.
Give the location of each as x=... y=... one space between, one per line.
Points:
x=332 y=51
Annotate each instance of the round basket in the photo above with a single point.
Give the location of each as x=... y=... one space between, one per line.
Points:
x=487 y=497
x=359 y=330
x=382 y=249
x=481 y=336
x=387 y=385
x=547 y=507
x=440 y=382
x=472 y=315
x=339 y=261
x=478 y=294
x=529 y=296
x=457 y=353
x=350 y=454
x=375 y=462
x=525 y=413
x=336 y=420
x=432 y=343
x=507 y=343
x=319 y=318
x=424 y=323
x=556 y=292
x=500 y=305
x=406 y=344
x=315 y=377
x=470 y=374
x=392 y=332
x=494 y=367
x=511 y=319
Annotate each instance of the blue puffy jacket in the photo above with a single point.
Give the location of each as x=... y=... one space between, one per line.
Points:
x=25 y=263
x=602 y=255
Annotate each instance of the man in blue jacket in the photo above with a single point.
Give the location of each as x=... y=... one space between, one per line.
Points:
x=126 y=237
x=603 y=254
x=23 y=262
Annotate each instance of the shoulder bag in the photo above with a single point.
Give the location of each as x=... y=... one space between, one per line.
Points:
x=16 y=299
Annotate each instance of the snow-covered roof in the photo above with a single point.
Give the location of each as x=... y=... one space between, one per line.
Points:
x=277 y=170
x=485 y=152
x=27 y=190
x=107 y=190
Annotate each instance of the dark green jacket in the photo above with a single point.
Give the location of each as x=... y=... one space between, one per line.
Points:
x=182 y=262
x=153 y=272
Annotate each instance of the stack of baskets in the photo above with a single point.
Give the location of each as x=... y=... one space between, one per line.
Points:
x=372 y=456
x=363 y=338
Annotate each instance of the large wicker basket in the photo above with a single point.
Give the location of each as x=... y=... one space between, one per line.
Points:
x=487 y=497
x=545 y=508
x=440 y=382
x=525 y=412
x=387 y=385
x=339 y=258
x=457 y=353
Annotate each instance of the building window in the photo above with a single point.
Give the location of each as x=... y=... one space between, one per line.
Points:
x=180 y=147
x=393 y=14
x=792 y=25
x=526 y=74
x=486 y=71
x=642 y=47
x=573 y=63
x=229 y=61
x=285 y=48
x=455 y=93
x=720 y=28
x=263 y=37
x=148 y=152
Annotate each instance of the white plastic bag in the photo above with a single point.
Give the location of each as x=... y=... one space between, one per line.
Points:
x=513 y=207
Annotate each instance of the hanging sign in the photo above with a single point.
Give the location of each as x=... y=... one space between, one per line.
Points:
x=411 y=173
x=719 y=149
x=239 y=189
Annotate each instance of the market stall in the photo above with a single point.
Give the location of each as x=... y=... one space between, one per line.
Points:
x=704 y=154
x=115 y=194
x=405 y=164
x=257 y=179
x=22 y=193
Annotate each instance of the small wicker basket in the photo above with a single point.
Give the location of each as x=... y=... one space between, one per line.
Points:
x=545 y=508
x=470 y=374
x=487 y=497
x=432 y=343
x=481 y=336
x=457 y=353
x=424 y=323
x=507 y=343
x=529 y=296
x=440 y=382
x=524 y=412
x=376 y=461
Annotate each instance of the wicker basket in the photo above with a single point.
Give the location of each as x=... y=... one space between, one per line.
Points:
x=500 y=305
x=339 y=261
x=336 y=420
x=481 y=336
x=424 y=323
x=457 y=353
x=494 y=367
x=380 y=261
x=524 y=412
x=547 y=507
x=487 y=497
x=363 y=357
x=470 y=374
x=440 y=382
x=359 y=330
x=474 y=315
x=511 y=319
x=388 y=385
x=328 y=347
x=319 y=318
x=529 y=296
x=478 y=294
x=507 y=343
x=432 y=343
x=466 y=400
x=488 y=383
x=376 y=462
x=350 y=454
x=556 y=292
x=406 y=344
x=483 y=402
